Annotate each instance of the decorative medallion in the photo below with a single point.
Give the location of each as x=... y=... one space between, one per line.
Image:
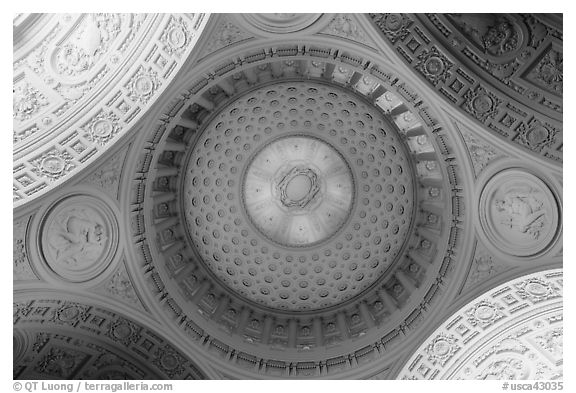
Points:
x=79 y=237
x=434 y=66
x=143 y=85
x=518 y=213
x=395 y=26
x=481 y=103
x=176 y=36
x=102 y=128
x=536 y=135
x=53 y=164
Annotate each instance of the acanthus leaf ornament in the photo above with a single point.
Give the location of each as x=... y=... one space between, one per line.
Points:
x=176 y=36
x=27 y=101
x=344 y=26
x=484 y=314
x=442 y=349
x=536 y=135
x=88 y=44
x=434 y=66
x=53 y=164
x=143 y=85
x=102 y=128
x=171 y=362
x=395 y=26
x=481 y=103
x=482 y=153
x=124 y=331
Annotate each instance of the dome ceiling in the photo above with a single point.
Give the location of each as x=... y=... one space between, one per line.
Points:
x=251 y=288
x=280 y=200
x=294 y=201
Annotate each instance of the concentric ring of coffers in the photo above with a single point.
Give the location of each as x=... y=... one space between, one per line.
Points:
x=354 y=224
x=212 y=313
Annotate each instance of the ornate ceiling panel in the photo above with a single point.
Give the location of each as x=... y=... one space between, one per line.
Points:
x=298 y=203
x=84 y=84
x=60 y=339
x=513 y=332
x=504 y=71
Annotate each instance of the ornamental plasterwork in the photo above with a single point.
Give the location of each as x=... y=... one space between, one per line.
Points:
x=503 y=334
x=27 y=100
x=484 y=266
x=549 y=71
x=21 y=263
x=53 y=164
x=143 y=85
x=509 y=51
x=519 y=214
x=176 y=36
x=102 y=128
x=119 y=287
x=225 y=33
x=275 y=24
x=107 y=176
x=347 y=26
x=481 y=152
x=78 y=61
x=59 y=347
x=82 y=49
x=79 y=238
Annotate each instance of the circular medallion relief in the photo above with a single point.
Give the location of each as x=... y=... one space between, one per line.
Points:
x=280 y=23
x=518 y=213
x=298 y=196
x=298 y=191
x=79 y=237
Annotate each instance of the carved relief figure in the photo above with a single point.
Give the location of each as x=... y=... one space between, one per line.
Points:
x=495 y=34
x=77 y=236
x=522 y=211
x=509 y=368
x=88 y=44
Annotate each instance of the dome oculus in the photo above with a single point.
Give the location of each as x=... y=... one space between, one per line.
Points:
x=298 y=191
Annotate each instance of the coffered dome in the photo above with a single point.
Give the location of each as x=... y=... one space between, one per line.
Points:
x=296 y=205
x=297 y=197
x=287 y=195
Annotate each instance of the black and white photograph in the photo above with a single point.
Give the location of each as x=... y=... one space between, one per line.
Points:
x=287 y=196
